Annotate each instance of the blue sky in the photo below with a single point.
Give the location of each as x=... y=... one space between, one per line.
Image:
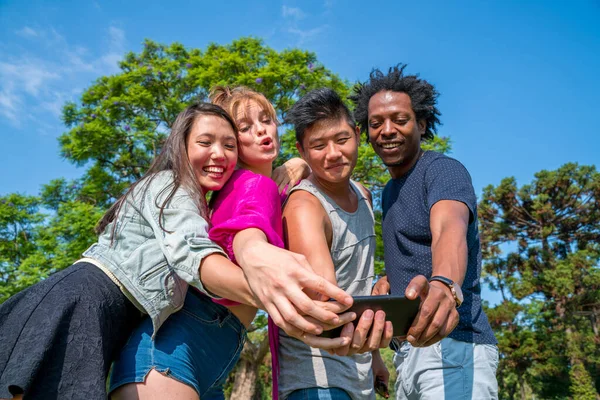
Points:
x=518 y=79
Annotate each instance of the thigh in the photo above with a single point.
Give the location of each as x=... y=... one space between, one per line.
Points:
x=319 y=394
x=485 y=364
x=399 y=360
x=197 y=346
x=157 y=386
x=420 y=372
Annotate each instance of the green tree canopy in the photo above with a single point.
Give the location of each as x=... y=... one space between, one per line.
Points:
x=541 y=245
x=122 y=120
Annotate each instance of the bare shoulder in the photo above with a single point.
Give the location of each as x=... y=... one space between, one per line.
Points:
x=302 y=203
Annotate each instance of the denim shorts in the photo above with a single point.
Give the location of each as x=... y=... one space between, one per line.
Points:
x=199 y=345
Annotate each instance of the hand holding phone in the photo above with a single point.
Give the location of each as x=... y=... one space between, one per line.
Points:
x=399 y=310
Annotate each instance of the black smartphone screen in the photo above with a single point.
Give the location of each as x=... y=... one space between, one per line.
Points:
x=398 y=309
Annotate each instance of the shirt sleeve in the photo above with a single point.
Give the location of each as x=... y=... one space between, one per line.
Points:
x=385 y=193
x=258 y=205
x=448 y=179
x=184 y=240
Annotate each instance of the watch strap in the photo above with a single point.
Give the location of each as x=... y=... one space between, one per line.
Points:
x=451 y=285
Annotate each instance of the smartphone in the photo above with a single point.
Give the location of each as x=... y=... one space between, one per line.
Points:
x=398 y=309
x=382 y=389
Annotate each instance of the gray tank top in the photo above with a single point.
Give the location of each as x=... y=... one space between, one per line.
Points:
x=352 y=252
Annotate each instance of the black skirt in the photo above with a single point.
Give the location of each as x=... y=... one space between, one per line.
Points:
x=58 y=337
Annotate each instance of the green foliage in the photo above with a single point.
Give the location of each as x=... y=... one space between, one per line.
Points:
x=19 y=218
x=541 y=245
x=123 y=119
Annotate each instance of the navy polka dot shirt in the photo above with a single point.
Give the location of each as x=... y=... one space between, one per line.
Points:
x=407 y=237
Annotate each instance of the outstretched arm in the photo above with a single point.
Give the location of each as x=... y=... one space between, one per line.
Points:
x=278 y=277
x=225 y=279
x=449 y=221
x=307 y=230
x=374 y=322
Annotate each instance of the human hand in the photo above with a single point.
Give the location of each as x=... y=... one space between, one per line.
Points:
x=380 y=337
x=335 y=307
x=330 y=344
x=381 y=375
x=292 y=171
x=277 y=277
x=382 y=287
x=437 y=315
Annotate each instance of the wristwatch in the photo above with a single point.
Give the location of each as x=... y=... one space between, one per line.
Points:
x=454 y=288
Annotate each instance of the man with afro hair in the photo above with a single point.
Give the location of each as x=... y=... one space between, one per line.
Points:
x=431 y=243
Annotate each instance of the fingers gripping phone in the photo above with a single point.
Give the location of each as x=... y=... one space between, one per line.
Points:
x=398 y=309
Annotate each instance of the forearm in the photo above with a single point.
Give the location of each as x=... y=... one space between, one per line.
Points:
x=449 y=256
x=245 y=243
x=225 y=279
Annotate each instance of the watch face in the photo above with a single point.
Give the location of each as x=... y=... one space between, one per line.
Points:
x=454 y=288
x=459 y=293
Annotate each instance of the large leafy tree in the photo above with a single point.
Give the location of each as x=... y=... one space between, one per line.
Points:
x=122 y=120
x=541 y=244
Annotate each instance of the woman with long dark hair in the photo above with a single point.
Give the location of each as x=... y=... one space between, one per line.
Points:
x=60 y=335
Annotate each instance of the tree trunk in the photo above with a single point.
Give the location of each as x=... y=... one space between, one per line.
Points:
x=246 y=376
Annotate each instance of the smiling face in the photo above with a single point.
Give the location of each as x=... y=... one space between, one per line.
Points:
x=394 y=131
x=330 y=148
x=258 y=141
x=212 y=151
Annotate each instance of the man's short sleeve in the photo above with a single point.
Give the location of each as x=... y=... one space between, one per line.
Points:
x=448 y=179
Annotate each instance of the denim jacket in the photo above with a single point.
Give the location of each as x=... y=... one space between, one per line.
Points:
x=155 y=266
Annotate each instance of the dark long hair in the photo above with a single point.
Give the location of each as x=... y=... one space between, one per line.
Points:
x=173 y=157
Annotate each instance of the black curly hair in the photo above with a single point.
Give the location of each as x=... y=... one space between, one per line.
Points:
x=314 y=106
x=423 y=97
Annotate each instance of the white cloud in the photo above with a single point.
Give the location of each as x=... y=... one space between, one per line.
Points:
x=117 y=37
x=30 y=75
x=9 y=105
x=54 y=103
x=292 y=12
x=293 y=15
x=116 y=49
x=305 y=35
x=31 y=86
x=27 y=32
x=22 y=80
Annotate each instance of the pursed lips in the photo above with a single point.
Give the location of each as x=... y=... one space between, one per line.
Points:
x=265 y=141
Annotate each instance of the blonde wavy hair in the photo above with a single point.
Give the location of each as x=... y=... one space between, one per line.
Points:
x=234 y=99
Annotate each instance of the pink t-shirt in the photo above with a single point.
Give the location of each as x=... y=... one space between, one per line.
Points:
x=249 y=200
